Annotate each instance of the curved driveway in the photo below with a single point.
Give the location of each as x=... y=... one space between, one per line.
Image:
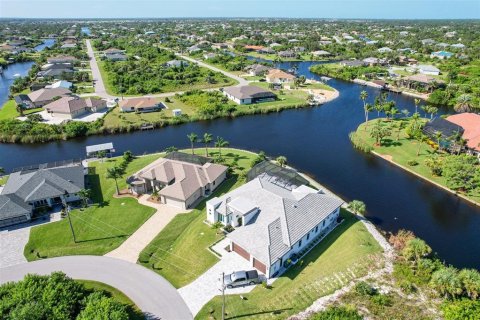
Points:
x=154 y=295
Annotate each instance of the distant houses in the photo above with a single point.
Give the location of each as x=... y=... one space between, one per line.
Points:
x=176 y=63
x=428 y=69
x=248 y=94
x=441 y=55
x=114 y=54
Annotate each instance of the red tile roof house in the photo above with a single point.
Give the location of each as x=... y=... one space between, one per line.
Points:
x=73 y=107
x=470 y=122
x=178 y=183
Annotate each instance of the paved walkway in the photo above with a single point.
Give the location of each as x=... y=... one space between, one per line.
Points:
x=154 y=295
x=209 y=284
x=131 y=248
x=13 y=240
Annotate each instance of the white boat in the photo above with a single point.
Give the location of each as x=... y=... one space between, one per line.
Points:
x=16 y=75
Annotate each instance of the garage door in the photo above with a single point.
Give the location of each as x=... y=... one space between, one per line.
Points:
x=236 y=248
x=259 y=266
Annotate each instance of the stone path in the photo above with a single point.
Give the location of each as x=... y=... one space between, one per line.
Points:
x=131 y=248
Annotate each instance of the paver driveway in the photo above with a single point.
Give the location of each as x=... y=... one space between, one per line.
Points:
x=208 y=285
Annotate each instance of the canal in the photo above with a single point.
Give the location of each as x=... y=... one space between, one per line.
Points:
x=314 y=140
x=17 y=69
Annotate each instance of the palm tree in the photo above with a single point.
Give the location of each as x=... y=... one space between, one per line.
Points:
x=405 y=113
x=221 y=143
x=464 y=103
x=471 y=282
x=115 y=173
x=101 y=154
x=417 y=102
x=282 y=161
x=193 y=138
x=438 y=136
x=447 y=282
x=357 y=207
x=207 y=138
x=393 y=112
x=84 y=194
x=416 y=249
x=363 y=97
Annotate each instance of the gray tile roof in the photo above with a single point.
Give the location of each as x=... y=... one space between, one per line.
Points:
x=245 y=92
x=12 y=206
x=284 y=216
x=45 y=183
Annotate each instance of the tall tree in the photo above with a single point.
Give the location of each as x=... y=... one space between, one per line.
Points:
x=84 y=194
x=115 y=173
x=417 y=102
x=193 y=138
x=464 y=103
x=207 y=138
x=357 y=207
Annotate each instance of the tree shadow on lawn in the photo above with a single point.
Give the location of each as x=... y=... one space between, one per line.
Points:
x=104 y=238
x=93 y=183
x=322 y=246
x=390 y=143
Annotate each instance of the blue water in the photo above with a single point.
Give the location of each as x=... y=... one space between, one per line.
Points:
x=86 y=31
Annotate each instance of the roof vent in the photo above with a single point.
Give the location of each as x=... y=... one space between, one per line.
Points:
x=294 y=206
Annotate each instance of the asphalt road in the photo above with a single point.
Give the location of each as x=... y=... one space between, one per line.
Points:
x=154 y=295
x=97 y=77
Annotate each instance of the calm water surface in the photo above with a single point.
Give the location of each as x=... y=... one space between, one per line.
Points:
x=315 y=140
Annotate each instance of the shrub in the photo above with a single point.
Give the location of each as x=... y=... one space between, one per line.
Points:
x=407 y=286
x=412 y=163
x=365 y=289
x=464 y=309
x=337 y=313
x=382 y=300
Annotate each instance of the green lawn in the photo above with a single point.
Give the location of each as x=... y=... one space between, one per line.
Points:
x=100 y=228
x=133 y=311
x=349 y=248
x=9 y=109
x=3 y=180
x=180 y=251
x=405 y=149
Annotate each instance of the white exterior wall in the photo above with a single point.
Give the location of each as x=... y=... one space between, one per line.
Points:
x=173 y=202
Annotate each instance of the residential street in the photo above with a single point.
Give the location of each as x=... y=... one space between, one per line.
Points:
x=154 y=295
x=97 y=77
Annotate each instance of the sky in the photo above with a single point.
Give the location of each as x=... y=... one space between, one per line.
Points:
x=362 y=9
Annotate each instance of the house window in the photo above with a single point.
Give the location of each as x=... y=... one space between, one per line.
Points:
x=300 y=243
x=316 y=229
x=213 y=182
x=220 y=217
x=323 y=224
x=308 y=235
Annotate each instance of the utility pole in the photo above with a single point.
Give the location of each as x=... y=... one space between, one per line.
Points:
x=67 y=208
x=223 y=295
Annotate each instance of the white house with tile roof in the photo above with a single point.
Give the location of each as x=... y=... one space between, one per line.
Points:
x=274 y=224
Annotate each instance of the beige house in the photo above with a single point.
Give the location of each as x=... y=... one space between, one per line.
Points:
x=44 y=96
x=140 y=105
x=279 y=76
x=73 y=107
x=178 y=183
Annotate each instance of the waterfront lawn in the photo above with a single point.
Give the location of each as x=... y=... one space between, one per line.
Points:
x=180 y=251
x=349 y=248
x=285 y=97
x=134 y=312
x=9 y=109
x=101 y=227
x=405 y=150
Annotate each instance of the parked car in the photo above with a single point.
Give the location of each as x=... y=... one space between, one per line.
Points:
x=241 y=278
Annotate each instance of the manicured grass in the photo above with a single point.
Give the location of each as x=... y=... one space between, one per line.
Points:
x=9 y=109
x=180 y=251
x=285 y=97
x=134 y=312
x=3 y=180
x=402 y=150
x=349 y=248
x=101 y=227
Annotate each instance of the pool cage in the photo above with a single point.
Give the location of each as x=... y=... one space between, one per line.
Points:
x=280 y=176
x=187 y=157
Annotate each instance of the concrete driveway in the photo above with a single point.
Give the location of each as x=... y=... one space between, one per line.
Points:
x=154 y=295
x=131 y=248
x=209 y=284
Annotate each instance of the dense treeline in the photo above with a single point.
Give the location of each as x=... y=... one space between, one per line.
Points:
x=57 y=297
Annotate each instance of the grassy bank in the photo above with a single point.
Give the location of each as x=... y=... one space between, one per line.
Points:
x=180 y=251
x=348 y=249
x=134 y=312
x=409 y=153
x=101 y=227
